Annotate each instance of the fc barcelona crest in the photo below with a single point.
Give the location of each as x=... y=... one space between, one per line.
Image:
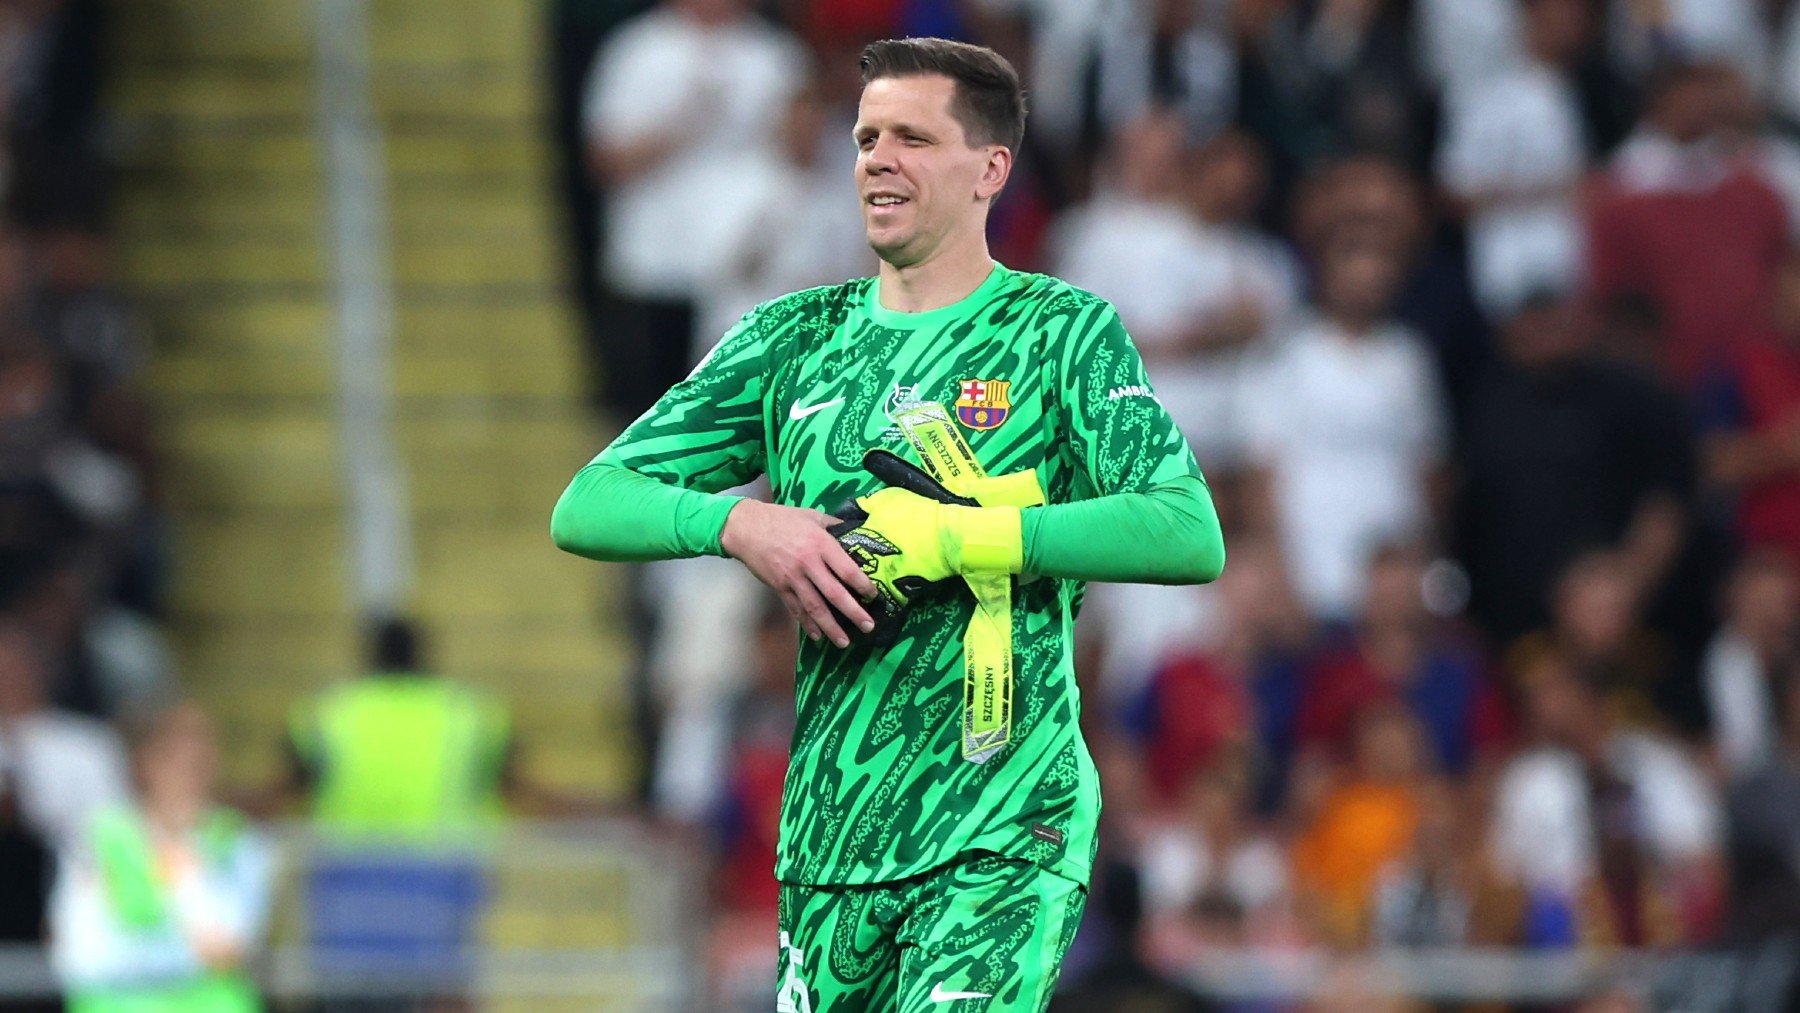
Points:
x=983 y=403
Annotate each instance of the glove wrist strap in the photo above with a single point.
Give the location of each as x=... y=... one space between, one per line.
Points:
x=983 y=539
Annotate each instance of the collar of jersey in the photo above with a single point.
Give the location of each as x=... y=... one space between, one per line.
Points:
x=930 y=318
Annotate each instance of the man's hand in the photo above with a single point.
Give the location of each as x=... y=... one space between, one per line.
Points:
x=788 y=549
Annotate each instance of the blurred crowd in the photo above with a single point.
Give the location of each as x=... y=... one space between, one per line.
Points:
x=113 y=848
x=1483 y=319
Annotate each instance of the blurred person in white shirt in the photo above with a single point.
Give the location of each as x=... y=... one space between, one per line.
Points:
x=792 y=221
x=1136 y=243
x=160 y=905
x=1194 y=282
x=675 y=94
x=1199 y=288
x=1462 y=41
x=1612 y=835
x=1347 y=430
x=63 y=766
x=1208 y=846
x=1514 y=151
x=1249 y=292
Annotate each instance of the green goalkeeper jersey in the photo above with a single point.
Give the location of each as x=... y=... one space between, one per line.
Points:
x=1039 y=375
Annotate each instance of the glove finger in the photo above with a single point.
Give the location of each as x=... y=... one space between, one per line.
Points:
x=895 y=471
x=847 y=517
x=850 y=575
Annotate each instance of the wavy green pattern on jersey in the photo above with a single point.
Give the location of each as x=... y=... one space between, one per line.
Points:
x=877 y=789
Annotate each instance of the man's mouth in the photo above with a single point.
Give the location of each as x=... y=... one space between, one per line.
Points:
x=886 y=200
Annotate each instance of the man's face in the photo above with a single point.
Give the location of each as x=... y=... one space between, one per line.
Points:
x=919 y=179
x=1360 y=281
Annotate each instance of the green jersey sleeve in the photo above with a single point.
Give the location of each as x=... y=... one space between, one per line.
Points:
x=1121 y=437
x=1148 y=515
x=708 y=433
x=653 y=493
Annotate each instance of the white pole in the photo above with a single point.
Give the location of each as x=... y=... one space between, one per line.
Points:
x=362 y=292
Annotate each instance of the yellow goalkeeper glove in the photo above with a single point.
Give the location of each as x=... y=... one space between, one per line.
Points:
x=915 y=533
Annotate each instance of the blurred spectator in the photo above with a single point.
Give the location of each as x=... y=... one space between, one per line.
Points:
x=1432 y=897
x=77 y=537
x=1463 y=42
x=1194 y=282
x=1206 y=865
x=762 y=729
x=574 y=32
x=405 y=773
x=1565 y=452
x=1367 y=198
x=1612 y=835
x=1133 y=632
x=1760 y=633
x=1169 y=54
x=1332 y=77
x=695 y=675
x=1676 y=220
x=1749 y=413
x=1249 y=293
x=405 y=755
x=1135 y=243
x=160 y=905
x=1247 y=683
x=62 y=767
x=1595 y=625
x=1347 y=426
x=1513 y=153
x=1375 y=199
x=1764 y=806
x=1731 y=32
x=672 y=94
x=1138 y=244
x=1400 y=652
x=1363 y=823
x=1198 y=711
x=793 y=221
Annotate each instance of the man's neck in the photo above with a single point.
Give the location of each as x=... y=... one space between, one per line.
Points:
x=946 y=277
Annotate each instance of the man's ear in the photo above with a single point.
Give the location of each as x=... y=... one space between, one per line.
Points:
x=994 y=175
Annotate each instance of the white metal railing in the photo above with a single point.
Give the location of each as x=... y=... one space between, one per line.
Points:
x=1741 y=981
x=611 y=914
x=620 y=916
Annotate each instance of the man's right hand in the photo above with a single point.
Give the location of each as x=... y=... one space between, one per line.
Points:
x=788 y=549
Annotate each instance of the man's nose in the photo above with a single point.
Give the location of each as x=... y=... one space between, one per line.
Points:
x=879 y=158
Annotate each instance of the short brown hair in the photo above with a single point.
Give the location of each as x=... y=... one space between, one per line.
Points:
x=989 y=100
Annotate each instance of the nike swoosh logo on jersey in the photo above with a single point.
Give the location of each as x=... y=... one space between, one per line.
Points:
x=939 y=995
x=796 y=413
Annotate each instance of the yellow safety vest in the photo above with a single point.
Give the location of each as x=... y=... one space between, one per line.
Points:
x=405 y=757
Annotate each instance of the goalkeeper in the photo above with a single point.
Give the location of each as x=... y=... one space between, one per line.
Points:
x=938 y=821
